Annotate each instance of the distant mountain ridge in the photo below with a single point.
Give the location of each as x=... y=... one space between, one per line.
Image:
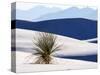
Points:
x=78 y=28
x=72 y=12
x=42 y=12
x=33 y=12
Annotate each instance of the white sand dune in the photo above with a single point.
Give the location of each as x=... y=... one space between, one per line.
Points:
x=23 y=64
x=69 y=46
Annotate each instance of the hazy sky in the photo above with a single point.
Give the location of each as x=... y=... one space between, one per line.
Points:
x=40 y=11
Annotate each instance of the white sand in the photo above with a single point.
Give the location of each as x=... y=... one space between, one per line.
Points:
x=23 y=64
x=70 y=47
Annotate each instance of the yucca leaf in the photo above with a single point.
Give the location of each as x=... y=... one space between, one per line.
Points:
x=45 y=45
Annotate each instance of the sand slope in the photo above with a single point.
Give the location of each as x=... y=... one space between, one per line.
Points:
x=23 y=64
x=69 y=46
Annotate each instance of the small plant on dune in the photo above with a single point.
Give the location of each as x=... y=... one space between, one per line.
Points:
x=45 y=45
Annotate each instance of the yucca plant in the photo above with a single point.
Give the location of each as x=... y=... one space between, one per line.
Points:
x=45 y=44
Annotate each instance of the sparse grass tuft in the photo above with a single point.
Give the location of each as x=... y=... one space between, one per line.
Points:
x=45 y=45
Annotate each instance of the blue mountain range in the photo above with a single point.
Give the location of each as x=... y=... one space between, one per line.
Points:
x=78 y=28
x=72 y=12
x=41 y=12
